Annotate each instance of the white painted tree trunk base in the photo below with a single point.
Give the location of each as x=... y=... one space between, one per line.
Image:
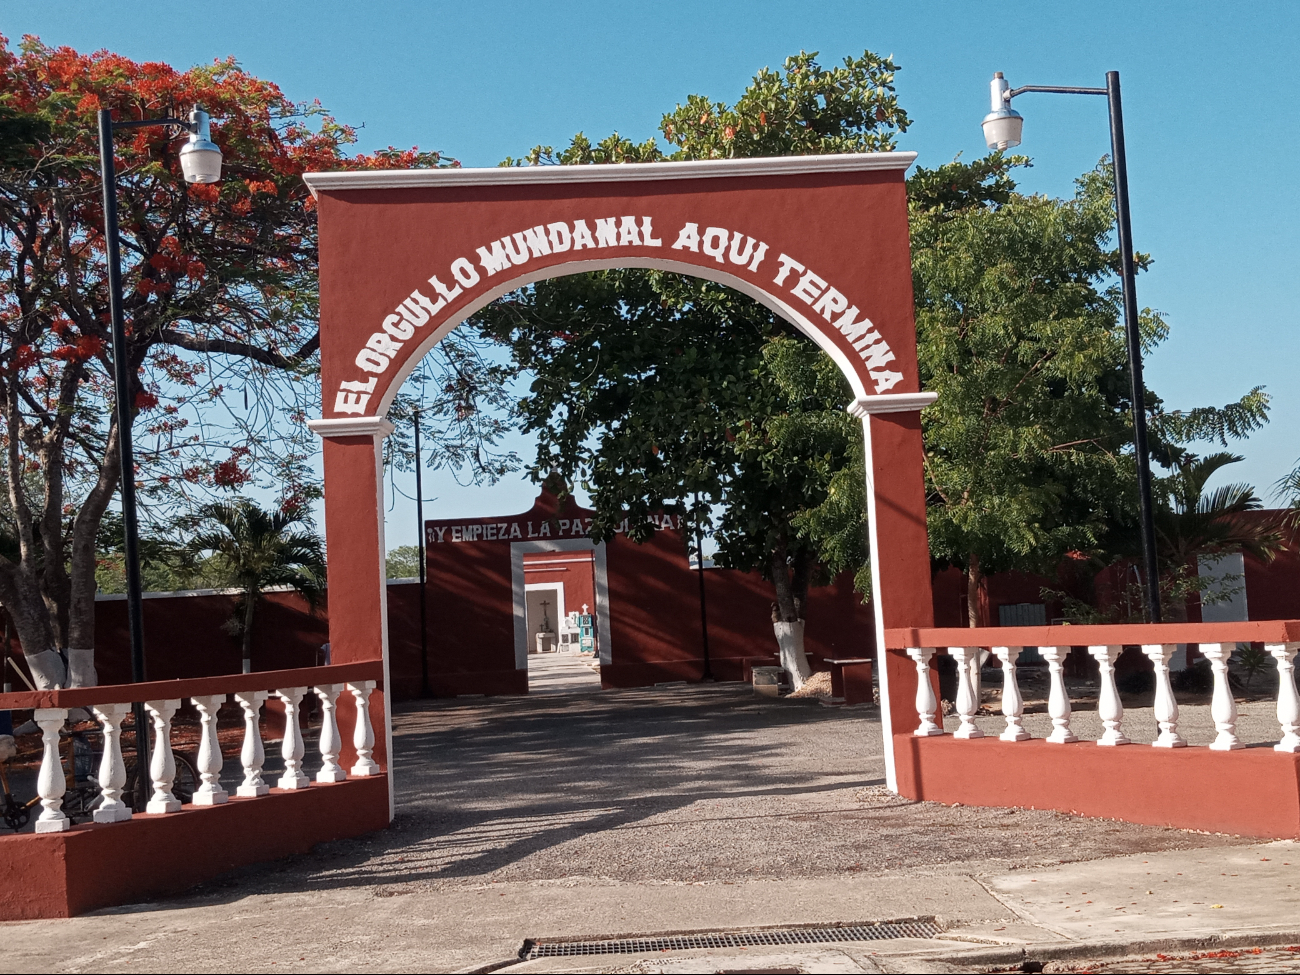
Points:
x=789 y=637
x=81 y=668
x=48 y=669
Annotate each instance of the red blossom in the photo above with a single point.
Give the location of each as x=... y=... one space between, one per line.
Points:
x=228 y=474
x=145 y=400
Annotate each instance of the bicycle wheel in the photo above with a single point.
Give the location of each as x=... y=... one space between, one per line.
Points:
x=16 y=814
x=184 y=785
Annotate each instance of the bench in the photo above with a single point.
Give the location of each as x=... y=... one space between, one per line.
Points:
x=851 y=680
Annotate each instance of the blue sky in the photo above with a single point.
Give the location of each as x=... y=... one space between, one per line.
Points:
x=1209 y=104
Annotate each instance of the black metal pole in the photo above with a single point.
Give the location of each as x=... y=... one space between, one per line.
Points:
x=1128 y=277
x=704 y=611
x=122 y=387
x=424 y=598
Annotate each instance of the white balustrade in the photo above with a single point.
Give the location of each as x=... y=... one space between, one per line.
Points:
x=1013 y=705
x=209 y=792
x=1288 y=702
x=363 y=734
x=292 y=749
x=1166 y=707
x=1109 y=707
x=112 y=770
x=926 y=705
x=252 y=755
x=1058 y=701
x=967 y=702
x=52 y=782
x=1223 y=709
x=162 y=764
x=330 y=771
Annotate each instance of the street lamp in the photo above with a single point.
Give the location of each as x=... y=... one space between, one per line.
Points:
x=201 y=163
x=1003 y=127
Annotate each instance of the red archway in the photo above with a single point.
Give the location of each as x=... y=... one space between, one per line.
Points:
x=405 y=256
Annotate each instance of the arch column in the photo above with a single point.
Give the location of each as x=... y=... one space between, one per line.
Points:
x=355 y=563
x=900 y=558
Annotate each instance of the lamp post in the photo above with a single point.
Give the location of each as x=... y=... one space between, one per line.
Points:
x=1003 y=127
x=420 y=549
x=704 y=612
x=201 y=163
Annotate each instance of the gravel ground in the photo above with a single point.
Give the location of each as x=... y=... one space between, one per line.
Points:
x=681 y=784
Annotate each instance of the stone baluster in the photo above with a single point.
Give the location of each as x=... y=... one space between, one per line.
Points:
x=926 y=705
x=363 y=735
x=209 y=792
x=976 y=683
x=1058 y=701
x=162 y=764
x=112 y=770
x=330 y=770
x=966 y=700
x=292 y=747
x=1109 y=707
x=1013 y=705
x=52 y=781
x=1166 y=709
x=1223 y=709
x=1288 y=702
x=252 y=755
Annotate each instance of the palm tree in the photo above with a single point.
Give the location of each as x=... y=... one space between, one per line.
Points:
x=1191 y=525
x=255 y=550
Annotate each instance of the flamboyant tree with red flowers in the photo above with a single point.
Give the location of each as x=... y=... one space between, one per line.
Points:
x=220 y=300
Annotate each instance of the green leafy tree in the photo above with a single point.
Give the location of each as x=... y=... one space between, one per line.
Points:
x=255 y=550
x=1017 y=304
x=403 y=562
x=653 y=388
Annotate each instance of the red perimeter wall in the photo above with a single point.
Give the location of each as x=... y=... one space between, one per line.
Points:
x=654 y=606
x=655 y=615
x=654 y=603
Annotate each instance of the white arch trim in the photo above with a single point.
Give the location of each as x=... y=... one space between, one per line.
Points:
x=782 y=308
x=392 y=179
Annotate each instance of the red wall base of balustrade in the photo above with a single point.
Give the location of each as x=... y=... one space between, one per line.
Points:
x=92 y=866
x=1251 y=792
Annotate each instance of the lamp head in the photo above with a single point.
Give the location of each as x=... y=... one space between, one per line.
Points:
x=1003 y=125
x=200 y=157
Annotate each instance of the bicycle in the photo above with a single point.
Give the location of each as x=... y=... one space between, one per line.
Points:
x=82 y=796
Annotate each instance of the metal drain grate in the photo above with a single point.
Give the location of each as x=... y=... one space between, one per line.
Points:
x=747 y=939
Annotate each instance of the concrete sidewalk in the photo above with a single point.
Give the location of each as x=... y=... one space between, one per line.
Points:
x=1072 y=913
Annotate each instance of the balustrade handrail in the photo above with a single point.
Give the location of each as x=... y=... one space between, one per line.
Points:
x=1219 y=642
x=186 y=687
x=110 y=704
x=1115 y=634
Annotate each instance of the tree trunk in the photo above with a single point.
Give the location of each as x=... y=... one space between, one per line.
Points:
x=21 y=595
x=82 y=584
x=804 y=563
x=973 y=579
x=786 y=611
x=250 y=606
x=789 y=638
x=787 y=624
